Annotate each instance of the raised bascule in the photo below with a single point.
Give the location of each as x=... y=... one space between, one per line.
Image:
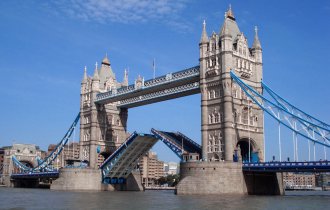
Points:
x=231 y=159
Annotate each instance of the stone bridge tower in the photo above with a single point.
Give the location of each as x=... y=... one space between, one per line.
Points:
x=232 y=126
x=102 y=127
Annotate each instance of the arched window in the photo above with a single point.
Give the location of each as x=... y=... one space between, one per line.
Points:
x=217 y=94
x=234 y=92
x=217 y=117
x=211 y=118
x=245 y=115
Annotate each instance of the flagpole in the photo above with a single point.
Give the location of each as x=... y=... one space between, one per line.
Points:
x=154 y=67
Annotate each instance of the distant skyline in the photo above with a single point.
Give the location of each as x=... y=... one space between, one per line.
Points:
x=46 y=44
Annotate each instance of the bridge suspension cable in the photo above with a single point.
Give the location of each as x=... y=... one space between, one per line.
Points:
x=44 y=164
x=299 y=122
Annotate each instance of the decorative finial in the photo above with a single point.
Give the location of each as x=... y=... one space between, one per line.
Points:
x=204 y=37
x=225 y=15
x=230 y=13
x=256 y=43
x=96 y=65
x=106 y=54
x=85 y=69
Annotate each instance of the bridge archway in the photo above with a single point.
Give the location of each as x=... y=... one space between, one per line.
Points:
x=27 y=163
x=243 y=149
x=102 y=156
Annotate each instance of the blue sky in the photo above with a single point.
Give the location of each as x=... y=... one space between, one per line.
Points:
x=44 y=46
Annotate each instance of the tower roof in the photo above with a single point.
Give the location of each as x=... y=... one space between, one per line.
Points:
x=105 y=60
x=229 y=26
x=96 y=74
x=106 y=71
x=204 y=37
x=256 y=42
x=230 y=13
x=85 y=76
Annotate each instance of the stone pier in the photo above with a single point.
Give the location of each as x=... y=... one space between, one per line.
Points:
x=226 y=178
x=90 y=179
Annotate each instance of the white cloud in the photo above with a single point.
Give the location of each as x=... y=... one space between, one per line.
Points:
x=124 y=11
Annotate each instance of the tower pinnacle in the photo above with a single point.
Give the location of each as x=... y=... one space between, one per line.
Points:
x=96 y=73
x=230 y=13
x=105 y=60
x=204 y=37
x=85 y=75
x=256 y=42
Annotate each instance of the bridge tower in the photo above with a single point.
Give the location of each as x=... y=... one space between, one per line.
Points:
x=102 y=127
x=232 y=127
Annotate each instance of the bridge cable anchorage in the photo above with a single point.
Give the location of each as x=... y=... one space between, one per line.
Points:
x=288 y=115
x=44 y=165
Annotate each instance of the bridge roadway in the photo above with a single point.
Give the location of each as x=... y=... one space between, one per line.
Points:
x=169 y=86
x=312 y=166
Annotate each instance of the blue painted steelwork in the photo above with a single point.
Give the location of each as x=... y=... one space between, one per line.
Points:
x=291 y=108
x=169 y=142
x=191 y=143
x=118 y=165
x=44 y=164
x=20 y=166
x=313 y=166
x=165 y=79
x=291 y=120
x=108 y=164
x=35 y=175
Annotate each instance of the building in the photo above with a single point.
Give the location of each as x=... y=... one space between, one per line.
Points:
x=151 y=168
x=25 y=153
x=229 y=118
x=102 y=129
x=171 y=168
x=298 y=180
x=70 y=152
x=323 y=180
x=2 y=153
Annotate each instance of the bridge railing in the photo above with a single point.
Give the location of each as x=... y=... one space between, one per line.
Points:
x=287 y=164
x=190 y=72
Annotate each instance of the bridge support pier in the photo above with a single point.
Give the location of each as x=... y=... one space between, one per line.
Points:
x=226 y=178
x=90 y=179
x=264 y=183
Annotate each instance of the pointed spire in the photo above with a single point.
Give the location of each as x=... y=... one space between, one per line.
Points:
x=85 y=76
x=96 y=74
x=125 y=80
x=224 y=30
x=230 y=13
x=204 y=37
x=256 y=42
x=105 y=60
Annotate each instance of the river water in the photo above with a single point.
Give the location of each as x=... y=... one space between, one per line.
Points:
x=19 y=198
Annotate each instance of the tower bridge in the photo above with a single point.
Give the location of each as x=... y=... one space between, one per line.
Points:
x=229 y=81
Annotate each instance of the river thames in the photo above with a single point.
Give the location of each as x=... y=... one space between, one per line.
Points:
x=19 y=198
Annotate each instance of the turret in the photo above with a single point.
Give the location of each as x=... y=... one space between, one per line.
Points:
x=257 y=54
x=84 y=81
x=204 y=37
x=125 y=80
x=96 y=80
x=225 y=35
x=256 y=47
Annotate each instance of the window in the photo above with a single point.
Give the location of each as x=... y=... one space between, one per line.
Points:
x=234 y=92
x=210 y=119
x=217 y=118
x=245 y=116
x=217 y=94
